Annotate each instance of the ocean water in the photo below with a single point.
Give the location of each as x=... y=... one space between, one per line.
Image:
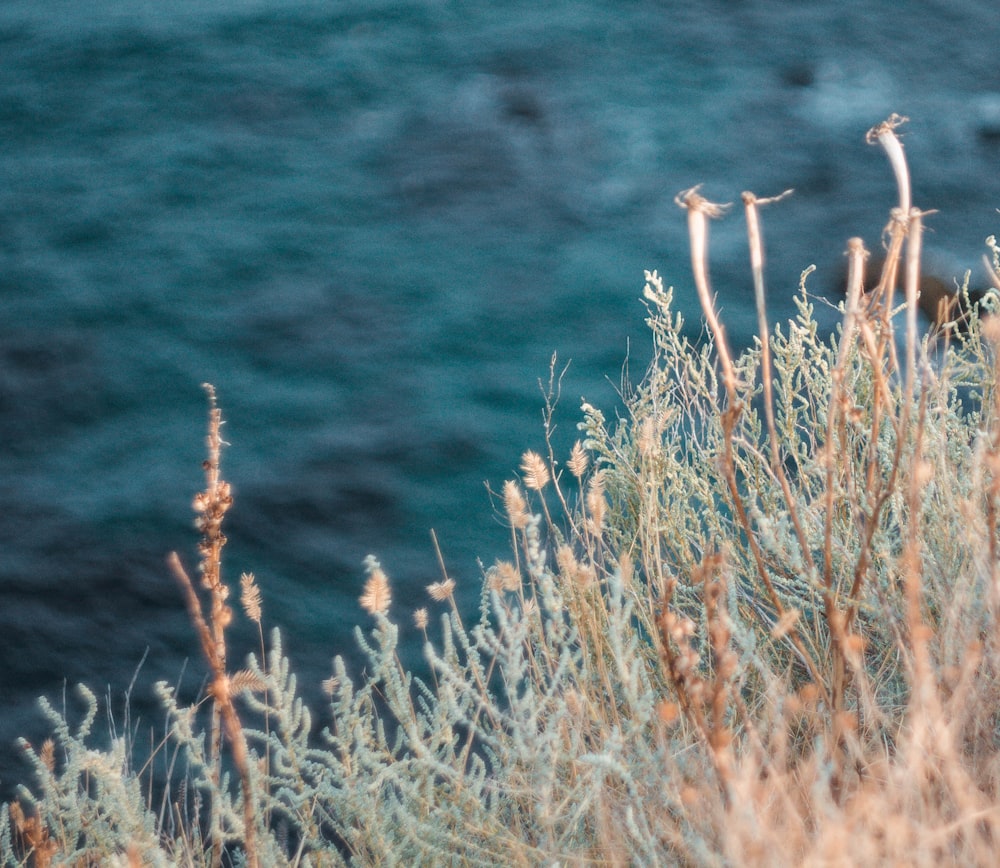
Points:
x=370 y=224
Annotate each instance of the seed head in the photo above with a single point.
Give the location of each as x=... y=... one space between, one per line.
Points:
x=441 y=591
x=376 y=597
x=516 y=505
x=536 y=473
x=577 y=463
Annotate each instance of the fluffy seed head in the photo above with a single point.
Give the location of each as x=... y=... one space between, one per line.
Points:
x=991 y=329
x=376 y=597
x=536 y=474
x=571 y=568
x=566 y=560
x=577 y=463
x=504 y=576
x=441 y=591
x=246 y=680
x=923 y=472
x=668 y=712
x=516 y=505
x=596 y=504
x=250 y=597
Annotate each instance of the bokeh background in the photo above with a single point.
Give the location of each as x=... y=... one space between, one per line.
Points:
x=370 y=223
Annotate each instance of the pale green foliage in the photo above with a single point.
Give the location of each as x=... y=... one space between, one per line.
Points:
x=93 y=803
x=671 y=506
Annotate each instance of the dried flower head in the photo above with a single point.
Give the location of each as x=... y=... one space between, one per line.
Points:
x=567 y=560
x=516 y=505
x=596 y=504
x=420 y=619
x=504 y=576
x=571 y=568
x=246 y=680
x=536 y=473
x=376 y=597
x=250 y=597
x=442 y=591
x=578 y=461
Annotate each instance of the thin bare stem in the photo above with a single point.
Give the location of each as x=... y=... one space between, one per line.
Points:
x=839 y=625
x=752 y=204
x=551 y=395
x=856 y=257
x=919 y=632
x=699 y=210
x=912 y=289
x=755 y=238
x=211 y=506
x=885 y=135
x=222 y=696
x=855 y=276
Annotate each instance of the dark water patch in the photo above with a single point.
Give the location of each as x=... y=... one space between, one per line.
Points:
x=50 y=384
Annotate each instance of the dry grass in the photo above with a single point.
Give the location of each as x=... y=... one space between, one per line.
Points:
x=754 y=623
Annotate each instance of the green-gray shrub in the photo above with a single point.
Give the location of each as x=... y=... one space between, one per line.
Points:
x=718 y=640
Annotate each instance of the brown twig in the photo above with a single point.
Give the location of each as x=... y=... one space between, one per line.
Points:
x=885 y=135
x=699 y=210
x=211 y=506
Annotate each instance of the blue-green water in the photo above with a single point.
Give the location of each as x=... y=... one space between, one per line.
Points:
x=370 y=224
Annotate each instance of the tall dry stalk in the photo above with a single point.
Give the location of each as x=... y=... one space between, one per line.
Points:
x=699 y=210
x=211 y=506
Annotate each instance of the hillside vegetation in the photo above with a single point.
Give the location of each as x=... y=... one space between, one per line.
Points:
x=753 y=621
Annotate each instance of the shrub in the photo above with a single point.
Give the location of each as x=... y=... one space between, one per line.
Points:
x=753 y=621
